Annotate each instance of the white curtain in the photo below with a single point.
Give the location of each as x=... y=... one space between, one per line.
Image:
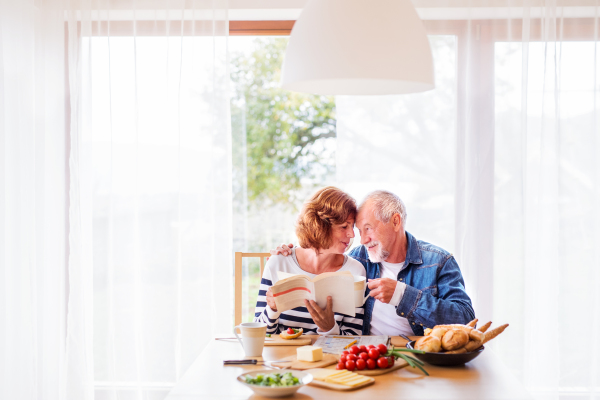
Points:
x=499 y=165
x=115 y=195
x=150 y=164
x=32 y=200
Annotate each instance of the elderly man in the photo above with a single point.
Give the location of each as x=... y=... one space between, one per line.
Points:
x=415 y=283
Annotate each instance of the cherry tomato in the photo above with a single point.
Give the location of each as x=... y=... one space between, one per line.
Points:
x=341 y=365
x=371 y=364
x=350 y=365
x=382 y=362
x=290 y=331
x=361 y=364
x=343 y=358
x=390 y=361
x=354 y=349
x=363 y=348
x=382 y=348
x=371 y=346
x=351 y=357
x=374 y=354
x=364 y=356
x=345 y=353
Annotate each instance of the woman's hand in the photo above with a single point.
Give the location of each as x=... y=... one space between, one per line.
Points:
x=323 y=318
x=271 y=300
x=284 y=250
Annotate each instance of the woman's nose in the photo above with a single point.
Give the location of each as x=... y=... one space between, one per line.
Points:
x=350 y=233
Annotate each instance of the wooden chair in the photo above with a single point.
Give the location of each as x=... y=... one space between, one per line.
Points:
x=237 y=305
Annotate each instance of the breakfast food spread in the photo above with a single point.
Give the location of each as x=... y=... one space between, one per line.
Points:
x=291 y=333
x=456 y=338
x=309 y=353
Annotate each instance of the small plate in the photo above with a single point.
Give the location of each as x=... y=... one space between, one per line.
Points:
x=280 y=391
x=443 y=358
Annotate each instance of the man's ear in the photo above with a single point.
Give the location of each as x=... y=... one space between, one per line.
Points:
x=397 y=222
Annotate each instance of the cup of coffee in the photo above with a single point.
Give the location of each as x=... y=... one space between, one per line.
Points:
x=360 y=286
x=253 y=337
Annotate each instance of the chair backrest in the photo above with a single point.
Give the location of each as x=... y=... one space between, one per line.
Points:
x=238 y=281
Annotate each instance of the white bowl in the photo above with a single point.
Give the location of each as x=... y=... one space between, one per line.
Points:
x=280 y=391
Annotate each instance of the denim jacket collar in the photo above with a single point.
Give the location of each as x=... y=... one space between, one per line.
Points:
x=413 y=253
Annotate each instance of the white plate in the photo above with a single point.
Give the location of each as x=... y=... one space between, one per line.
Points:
x=280 y=391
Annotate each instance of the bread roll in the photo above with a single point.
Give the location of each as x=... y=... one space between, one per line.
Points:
x=438 y=332
x=427 y=331
x=458 y=351
x=494 y=332
x=473 y=345
x=485 y=326
x=430 y=344
x=473 y=323
x=454 y=339
x=476 y=335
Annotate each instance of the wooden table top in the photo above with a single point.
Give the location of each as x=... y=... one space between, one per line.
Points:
x=486 y=377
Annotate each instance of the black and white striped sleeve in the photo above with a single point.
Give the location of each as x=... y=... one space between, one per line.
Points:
x=263 y=312
x=353 y=325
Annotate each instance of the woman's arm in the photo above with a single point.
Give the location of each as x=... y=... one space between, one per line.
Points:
x=262 y=312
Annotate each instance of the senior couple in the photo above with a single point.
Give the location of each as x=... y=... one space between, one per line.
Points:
x=412 y=284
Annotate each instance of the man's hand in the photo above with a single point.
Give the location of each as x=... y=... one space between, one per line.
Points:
x=284 y=250
x=382 y=289
x=323 y=317
x=271 y=300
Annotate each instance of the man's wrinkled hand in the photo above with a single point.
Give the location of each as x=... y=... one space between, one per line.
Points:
x=271 y=300
x=283 y=250
x=323 y=318
x=382 y=289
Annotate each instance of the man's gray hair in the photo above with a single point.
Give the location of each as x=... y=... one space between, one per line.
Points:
x=385 y=205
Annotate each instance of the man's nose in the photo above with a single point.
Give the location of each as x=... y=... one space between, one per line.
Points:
x=364 y=239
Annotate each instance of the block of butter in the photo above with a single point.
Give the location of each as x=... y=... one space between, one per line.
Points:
x=309 y=353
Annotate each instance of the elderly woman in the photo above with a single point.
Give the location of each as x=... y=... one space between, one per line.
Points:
x=325 y=228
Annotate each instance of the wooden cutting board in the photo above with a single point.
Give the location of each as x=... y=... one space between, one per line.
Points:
x=303 y=340
x=328 y=359
x=397 y=341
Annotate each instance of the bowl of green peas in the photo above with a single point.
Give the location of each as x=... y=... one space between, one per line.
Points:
x=270 y=383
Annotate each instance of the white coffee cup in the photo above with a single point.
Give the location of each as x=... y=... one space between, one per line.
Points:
x=253 y=337
x=360 y=286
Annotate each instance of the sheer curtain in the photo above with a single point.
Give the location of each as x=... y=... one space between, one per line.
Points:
x=115 y=195
x=151 y=266
x=33 y=189
x=499 y=165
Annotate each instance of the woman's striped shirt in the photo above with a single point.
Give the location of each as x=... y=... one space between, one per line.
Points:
x=299 y=317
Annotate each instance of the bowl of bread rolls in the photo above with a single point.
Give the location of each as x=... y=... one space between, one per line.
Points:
x=454 y=344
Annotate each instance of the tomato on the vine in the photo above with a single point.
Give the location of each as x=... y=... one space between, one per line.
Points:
x=350 y=365
x=341 y=365
x=371 y=346
x=354 y=349
x=391 y=361
x=351 y=357
x=382 y=348
x=345 y=352
x=290 y=331
x=364 y=356
x=374 y=354
x=382 y=362
x=363 y=348
x=343 y=358
x=371 y=364
x=361 y=364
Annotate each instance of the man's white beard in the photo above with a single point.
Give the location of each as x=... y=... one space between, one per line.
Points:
x=379 y=255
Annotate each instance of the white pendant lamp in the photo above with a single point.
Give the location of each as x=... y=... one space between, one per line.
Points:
x=358 y=47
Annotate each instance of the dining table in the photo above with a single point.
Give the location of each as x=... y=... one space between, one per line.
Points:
x=485 y=377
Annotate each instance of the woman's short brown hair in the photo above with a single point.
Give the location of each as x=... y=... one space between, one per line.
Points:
x=328 y=206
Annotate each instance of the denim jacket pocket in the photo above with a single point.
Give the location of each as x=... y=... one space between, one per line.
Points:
x=432 y=290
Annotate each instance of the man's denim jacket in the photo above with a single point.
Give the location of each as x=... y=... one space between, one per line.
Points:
x=435 y=290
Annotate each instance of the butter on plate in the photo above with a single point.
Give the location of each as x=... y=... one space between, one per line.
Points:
x=309 y=353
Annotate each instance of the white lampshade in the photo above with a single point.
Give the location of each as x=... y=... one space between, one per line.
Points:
x=358 y=47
